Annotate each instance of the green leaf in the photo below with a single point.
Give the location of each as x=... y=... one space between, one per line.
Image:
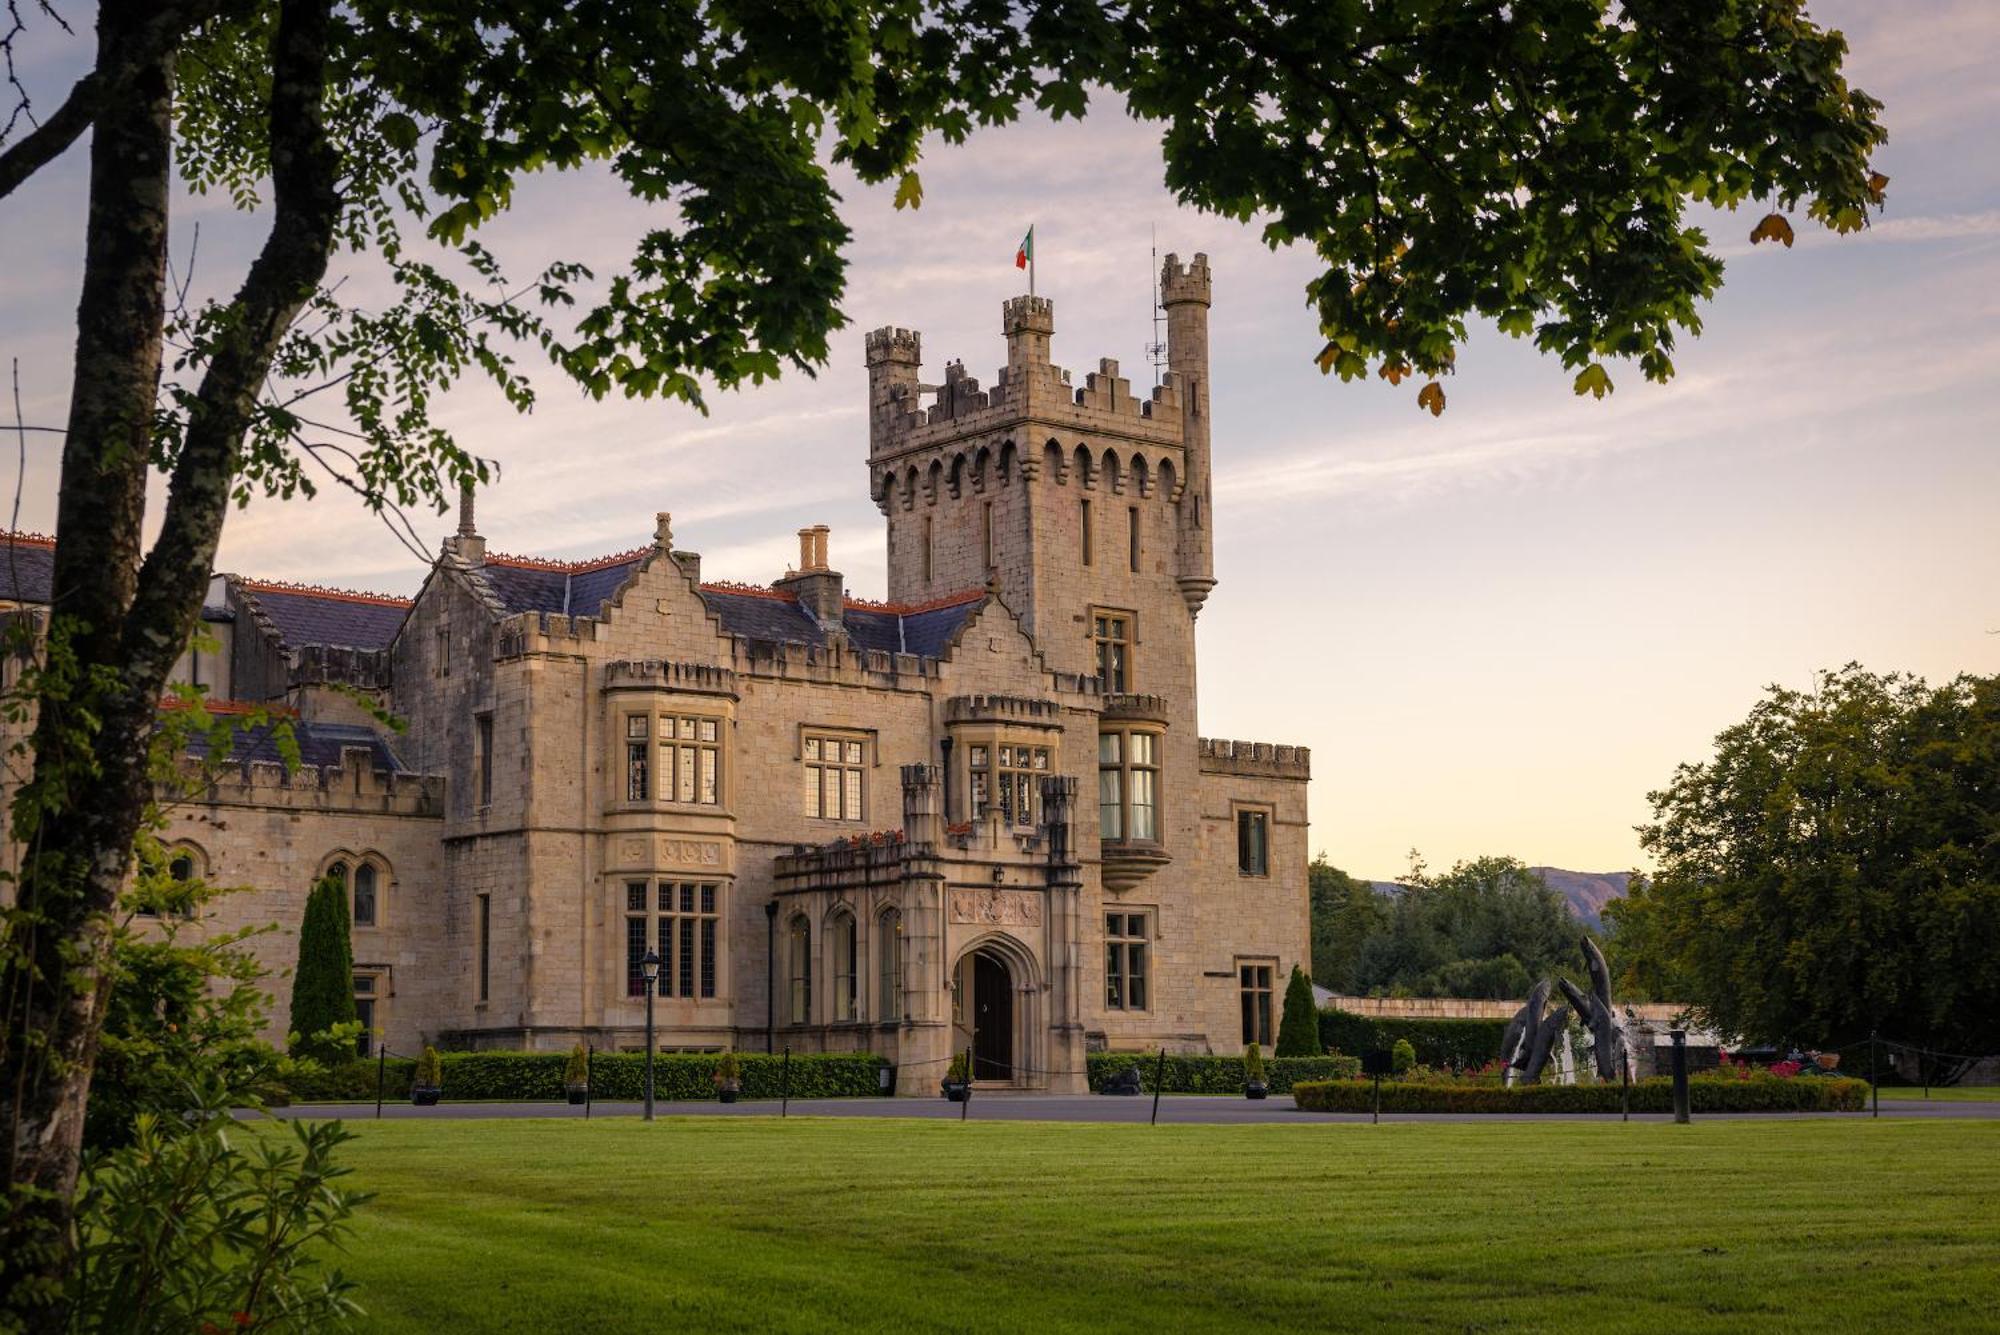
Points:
x=910 y=192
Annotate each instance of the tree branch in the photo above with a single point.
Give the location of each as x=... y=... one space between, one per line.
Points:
x=304 y=168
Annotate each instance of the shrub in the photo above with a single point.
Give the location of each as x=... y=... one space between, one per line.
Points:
x=350 y=1079
x=427 y=1074
x=728 y=1071
x=1298 y=1029
x=1707 y=1094
x=323 y=984
x=1402 y=1056
x=956 y=1072
x=576 y=1071
x=1253 y=1064
x=1195 y=1074
x=1454 y=1044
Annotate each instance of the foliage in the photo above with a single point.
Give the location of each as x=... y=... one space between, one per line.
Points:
x=1253 y=1065
x=1298 y=1026
x=1188 y=1073
x=1454 y=1043
x=958 y=1072
x=678 y=1076
x=181 y=1001
x=1345 y=913
x=198 y=1225
x=576 y=1071
x=1487 y=929
x=1402 y=1056
x=349 y=1081
x=323 y=984
x=429 y=1073
x=1707 y=1094
x=1834 y=868
x=728 y=1070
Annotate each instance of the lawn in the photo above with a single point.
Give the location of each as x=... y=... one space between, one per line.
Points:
x=713 y=1224
x=1944 y=1093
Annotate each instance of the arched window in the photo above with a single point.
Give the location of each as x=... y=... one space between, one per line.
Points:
x=802 y=970
x=889 y=966
x=364 y=895
x=846 y=983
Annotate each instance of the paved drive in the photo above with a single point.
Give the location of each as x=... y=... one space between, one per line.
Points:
x=1187 y=1108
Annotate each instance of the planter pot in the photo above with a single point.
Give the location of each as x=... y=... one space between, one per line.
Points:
x=1255 y=1089
x=956 y=1091
x=424 y=1096
x=726 y=1095
x=578 y=1095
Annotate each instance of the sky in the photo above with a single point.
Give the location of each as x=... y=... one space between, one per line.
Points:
x=1497 y=630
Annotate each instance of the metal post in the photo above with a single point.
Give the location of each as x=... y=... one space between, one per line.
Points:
x=1874 y=1085
x=1378 y=1099
x=1924 y=1070
x=381 y=1071
x=589 y=1051
x=649 y=1049
x=1159 y=1079
x=1680 y=1075
x=965 y=1104
x=1625 y=1084
x=770 y=977
x=785 y=1085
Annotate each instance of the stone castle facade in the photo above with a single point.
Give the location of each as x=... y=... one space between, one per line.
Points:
x=977 y=816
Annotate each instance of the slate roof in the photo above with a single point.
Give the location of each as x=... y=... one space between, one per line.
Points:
x=320 y=744
x=569 y=588
x=925 y=629
x=27 y=567
x=305 y=615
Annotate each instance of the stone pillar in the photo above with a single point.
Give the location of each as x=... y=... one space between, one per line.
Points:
x=1062 y=946
x=1184 y=292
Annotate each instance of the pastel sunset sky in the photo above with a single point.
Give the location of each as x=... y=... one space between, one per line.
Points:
x=1496 y=630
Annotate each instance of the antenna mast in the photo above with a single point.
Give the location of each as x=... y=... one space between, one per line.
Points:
x=1156 y=351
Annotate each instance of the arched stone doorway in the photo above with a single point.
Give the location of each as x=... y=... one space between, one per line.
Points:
x=994 y=1012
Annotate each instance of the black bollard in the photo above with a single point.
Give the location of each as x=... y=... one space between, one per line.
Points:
x=1680 y=1075
x=1625 y=1085
x=1874 y=1085
x=965 y=1104
x=589 y=1051
x=785 y=1092
x=381 y=1073
x=1378 y=1099
x=1159 y=1079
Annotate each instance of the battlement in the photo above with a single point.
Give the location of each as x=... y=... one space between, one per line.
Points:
x=1027 y=315
x=1128 y=708
x=1002 y=708
x=354 y=785
x=658 y=674
x=319 y=664
x=889 y=344
x=1266 y=760
x=1180 y=284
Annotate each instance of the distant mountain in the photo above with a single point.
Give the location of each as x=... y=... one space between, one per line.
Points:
x=1587 y=892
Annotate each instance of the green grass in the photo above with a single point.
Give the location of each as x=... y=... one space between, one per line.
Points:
x=1951 y=1094
x=833 y=1224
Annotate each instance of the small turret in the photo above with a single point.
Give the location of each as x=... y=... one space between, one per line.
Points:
x=1184 y=292
x=894 y=358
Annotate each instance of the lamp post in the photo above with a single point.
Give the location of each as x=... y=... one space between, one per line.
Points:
x=651 y=964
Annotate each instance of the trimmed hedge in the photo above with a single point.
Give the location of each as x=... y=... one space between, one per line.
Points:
x=677 y=1076
x=1458 y=1044
x=1216 y=1075
x=1655 y=1095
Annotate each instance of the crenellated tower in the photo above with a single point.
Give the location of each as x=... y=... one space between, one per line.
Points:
x=1184 y=291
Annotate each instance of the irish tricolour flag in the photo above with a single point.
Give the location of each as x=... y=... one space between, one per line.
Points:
x=1026 y=254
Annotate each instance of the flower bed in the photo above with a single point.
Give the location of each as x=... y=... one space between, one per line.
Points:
x=1193 y=1074
x=1706 y=1094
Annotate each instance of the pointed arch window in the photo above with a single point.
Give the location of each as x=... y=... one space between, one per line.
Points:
x=800 y=953
x=846 y=982
x=889 y=966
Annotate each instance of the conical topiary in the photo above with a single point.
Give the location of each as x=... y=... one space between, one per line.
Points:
x=323 y=984
x=1298 y=1031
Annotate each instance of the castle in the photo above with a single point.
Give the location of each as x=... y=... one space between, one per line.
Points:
x=974 y=817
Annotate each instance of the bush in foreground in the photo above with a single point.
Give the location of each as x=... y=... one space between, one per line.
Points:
x=1194 y=1074
x=1706 y=1095
x=677 y=1076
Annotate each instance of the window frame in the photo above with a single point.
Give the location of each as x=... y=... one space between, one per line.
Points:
x=680 y=920
x=1128 y=959
x=1125 y=767
x=349 y=865
x=1265 y=819
x=482 y=741
x=816 y=768
x=798 y=973
x=1254 y=979
x=987 y=776
x=889 y=965
x=1112 y=652
x=843 y=943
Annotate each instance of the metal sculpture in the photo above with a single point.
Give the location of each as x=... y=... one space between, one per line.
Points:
x=1531 y=1036
x=1607 y=1031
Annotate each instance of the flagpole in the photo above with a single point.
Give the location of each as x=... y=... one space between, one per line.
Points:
x=1031 y=261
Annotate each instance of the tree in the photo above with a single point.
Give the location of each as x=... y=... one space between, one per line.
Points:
x=1298 y=1027
x=323 y=985
x=1345 y=913
x=1833 y=869
x=1529 y=163
x=1487 y=928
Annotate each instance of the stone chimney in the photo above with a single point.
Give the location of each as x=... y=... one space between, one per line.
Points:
x=466 y=544
x=821 y=590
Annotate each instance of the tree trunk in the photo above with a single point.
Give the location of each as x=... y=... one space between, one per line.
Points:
x=81 y=810
x=124 y=625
